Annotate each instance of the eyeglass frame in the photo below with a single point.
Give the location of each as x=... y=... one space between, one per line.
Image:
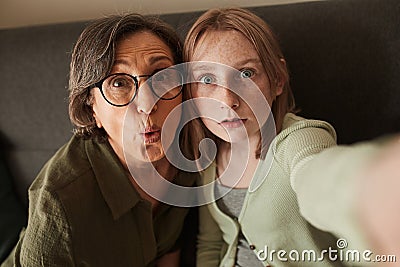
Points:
x=99 y=85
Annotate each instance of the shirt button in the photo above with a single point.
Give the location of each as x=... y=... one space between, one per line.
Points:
x=252 y=247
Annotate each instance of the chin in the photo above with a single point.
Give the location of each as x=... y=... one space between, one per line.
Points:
x=145 y=153
x=236 y=139
x=231 y=136
x=154 y=152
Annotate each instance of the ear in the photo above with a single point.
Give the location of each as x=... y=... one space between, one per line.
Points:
x=98 y=122
x=280 y=83
x=93 y=105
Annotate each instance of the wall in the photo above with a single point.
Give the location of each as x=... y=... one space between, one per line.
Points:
x=20 y=13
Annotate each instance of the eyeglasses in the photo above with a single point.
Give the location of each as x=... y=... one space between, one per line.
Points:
x=120 y=89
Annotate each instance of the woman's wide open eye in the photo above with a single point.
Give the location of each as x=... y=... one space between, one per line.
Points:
x=120 y=82
x=246 y=73
x=207 y=79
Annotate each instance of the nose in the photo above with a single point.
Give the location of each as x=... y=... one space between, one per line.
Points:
x=146 y=101
x=228 y=98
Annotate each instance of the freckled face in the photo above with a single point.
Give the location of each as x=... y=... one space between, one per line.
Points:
x=140 y=53
x=233 y=49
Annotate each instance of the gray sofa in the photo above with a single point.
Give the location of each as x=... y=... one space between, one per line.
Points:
x=343 y=56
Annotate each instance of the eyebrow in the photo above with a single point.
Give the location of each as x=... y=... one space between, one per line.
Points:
x=200 y=67
x=250 y=60
x=153 y=60
x=204 y=66
x=121 y=62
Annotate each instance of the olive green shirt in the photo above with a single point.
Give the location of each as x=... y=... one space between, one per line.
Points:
x=84 y=211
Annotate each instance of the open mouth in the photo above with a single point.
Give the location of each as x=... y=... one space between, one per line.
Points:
x=233 y=123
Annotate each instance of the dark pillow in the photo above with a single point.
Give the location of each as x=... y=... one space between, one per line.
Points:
x=12 y=213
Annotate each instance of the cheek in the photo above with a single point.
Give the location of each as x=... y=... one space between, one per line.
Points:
x=194 y=93
x=168 y=117
x=98 y=107
x=113 y=124
x=111 y=118
x=206 y=103
x=201 y=90
x=165 y=107
x=213 y=126
x=267 y=91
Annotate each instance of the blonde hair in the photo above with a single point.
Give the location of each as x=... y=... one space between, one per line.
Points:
x=257 y=31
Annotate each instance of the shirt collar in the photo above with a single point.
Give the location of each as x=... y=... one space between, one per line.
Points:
x=113 y=181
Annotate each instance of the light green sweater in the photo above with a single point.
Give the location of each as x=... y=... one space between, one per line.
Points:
x=305 y=195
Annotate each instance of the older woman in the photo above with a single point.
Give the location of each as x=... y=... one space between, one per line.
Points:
x=86 y=208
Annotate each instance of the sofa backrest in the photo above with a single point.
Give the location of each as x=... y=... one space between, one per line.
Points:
x=343 y=57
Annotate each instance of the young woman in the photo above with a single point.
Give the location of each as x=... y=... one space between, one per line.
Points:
x=85 y=207
x=288 y=201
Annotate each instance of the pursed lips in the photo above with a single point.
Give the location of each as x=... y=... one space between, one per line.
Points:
x=151 y=134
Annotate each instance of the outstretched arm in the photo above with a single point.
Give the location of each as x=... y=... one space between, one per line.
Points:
x=327 y=186
x=379 y=201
